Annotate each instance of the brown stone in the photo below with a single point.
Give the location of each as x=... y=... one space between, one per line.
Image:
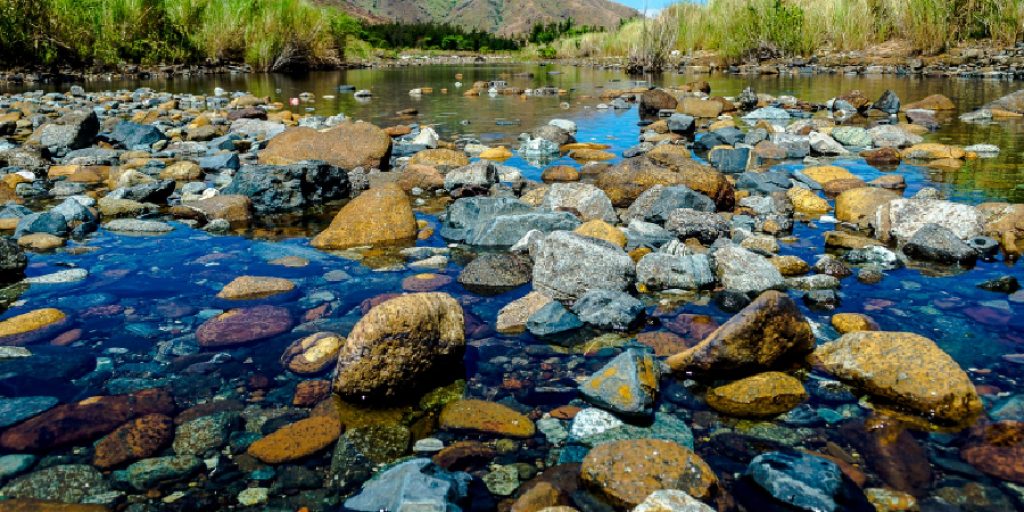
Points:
x=624 y=182
x=806 y=201
x=860 y=205
x=235 y=209
x=41 y=242
x=32 y=326
x=853 y=322
x=826 y=173
x=33 y=505
x=664 y=343
x=790 y=266
x=378 y=216
x=420 y=176
x=399 y=343
x=244 y=325
x=137 y=439
x=591 y=155
x=846 y=240
x=485 y=418
x=763 y=395
x=539 y=497
x=463 y=455
x=905 y=368
x=297 y=440
x=313 y=354
x=698 y=107
x=499 y=153
x=560 y=173
x=601 y=230
x=182 y=171
x=311 y=392
x=933 y=151
x=932 y=102
x=254 y=287
x=766 y=332
x=836 y=187
x=625 y=473
x=348 y=145
x=70 y=424
x=882 y=157
x=440 y=158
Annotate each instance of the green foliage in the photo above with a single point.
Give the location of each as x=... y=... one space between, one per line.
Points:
x=542 y=34
x=547 y=52
x=433 y=36
x=269 y=34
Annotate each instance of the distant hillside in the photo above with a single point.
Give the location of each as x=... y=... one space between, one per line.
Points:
x=505 y=17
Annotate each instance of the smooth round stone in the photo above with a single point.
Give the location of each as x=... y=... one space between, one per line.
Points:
x=138 y=226
x=763 y=395
x=41 y=241
x=852 y=322
x=14 y=465
x=254 y=287
x=427 y=445
x=253 y=496
x=70 y=275
x=312 y=354
x=485 y=418
x=32 y=326
x=297 y=440
x=244 y=325
x=625 y=473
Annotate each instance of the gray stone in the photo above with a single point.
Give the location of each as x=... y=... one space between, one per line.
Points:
x=138 y=226
x=583 y=199
x=13 y=261
x=467 y=216
x=853 y=136
x=75 y=130
x=875 y=256
x=14 y=465
x=416 y=484
x=219 y=162
x=799 y=479
x=901 y=218
x=662 y=271
x=646 y=234
x=196 y=437
x=481 y=174
x=136 y=136
x=16 y=409
x=704 y=226
x=506 y=230
x=731 y=160
x=658 y=202
x=148 y=473
x=608 y=310
x=553 y=134
x=51 y=223
x=743 y=271
x=939 y=244
x=552 y=318
x=568 y=265
x=69 y=483
x=496 y=272
x=277 y=188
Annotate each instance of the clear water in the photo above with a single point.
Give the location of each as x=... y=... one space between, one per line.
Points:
x=143 y=292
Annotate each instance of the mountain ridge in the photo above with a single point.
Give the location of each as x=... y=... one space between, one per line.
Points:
x=504 y=17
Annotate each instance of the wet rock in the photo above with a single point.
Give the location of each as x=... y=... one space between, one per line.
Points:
x=68 y=424
x=137 y=439
x=706 y=227
x=12 y=261
x=313 y=354
x=496 y=273
x=1002 y=284
x=763 y=395
x=655 y=100
x=16 y=409
x=902 y=218
x=888 y=103
x=661 y=271
x=625 y=473
x=199 y=435
x=743 y=271
x=254 y=287
x=627 y=385
x=398 y=344
x=799 y=479
x=608 y=310
x=148 y=473
x=882 y=157
x=378 y=216
x=627 y=180
x=278 y=188
x=485 y=418
x=559 y=136
x=765 y=333
x=552 y=318
x=513 y=317
x=940 y=244
x=443 y=159
x=348 y=145
x=33 y=326
x=876 y=256
x=806 y=201
x=568 y=265
x=297 y=440
x=69 y=483
x=904 y=368
x=133 y=136
x=244 y=325
x=51 y=223
x=831 y=266
x=416 y=483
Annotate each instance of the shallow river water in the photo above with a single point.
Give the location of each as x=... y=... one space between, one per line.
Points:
x=145 y=295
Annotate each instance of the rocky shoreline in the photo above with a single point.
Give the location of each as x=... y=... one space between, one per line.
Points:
x=487 y=341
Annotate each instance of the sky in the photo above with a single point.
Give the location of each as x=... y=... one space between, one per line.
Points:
x=651 y=4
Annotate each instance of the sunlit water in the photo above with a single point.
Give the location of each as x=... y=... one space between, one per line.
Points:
x=145 y=291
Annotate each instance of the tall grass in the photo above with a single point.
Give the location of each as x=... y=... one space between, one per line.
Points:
x=742 y=28
x=268 y=34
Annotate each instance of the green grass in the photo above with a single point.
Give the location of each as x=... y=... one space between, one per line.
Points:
x=737 y=29
x=268 y=34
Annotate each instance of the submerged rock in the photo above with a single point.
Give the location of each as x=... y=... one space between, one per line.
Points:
x=769 y=330
x=32 y=326
x=905 y=368
x=68 y=483
x=313 y=354
x=297 y=440
x=799 y=479
x=415 y=484
x=254 y=287
x=244 y=325
x=608 y=310
x=483 y=417
x=398 y=344
x=625 y=473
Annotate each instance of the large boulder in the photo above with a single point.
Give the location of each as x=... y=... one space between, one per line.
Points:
x=627 y=180
x=381 y=215
x=662 y=271
x=348 y=145
x=940 y=244
x=499 y=221
x=657 y=202
x=656 y=99
x=900 y=219
x=133 y=136
x=568 y=265
x=859 y=205
x=398 y=344
x=276 y=188
x=765 y=333
x=903 y=368
x=706 y=227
